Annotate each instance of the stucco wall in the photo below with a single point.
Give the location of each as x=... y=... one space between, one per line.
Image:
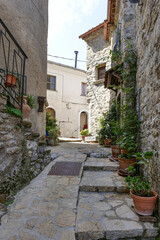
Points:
x=97 y=96
x=28 y=22
x=67 y=100
x=148 y=80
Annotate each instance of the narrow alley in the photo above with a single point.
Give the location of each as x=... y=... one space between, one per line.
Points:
x=91 y=204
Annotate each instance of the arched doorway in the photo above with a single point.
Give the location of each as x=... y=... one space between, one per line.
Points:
x=52 y=112
x=83 y=120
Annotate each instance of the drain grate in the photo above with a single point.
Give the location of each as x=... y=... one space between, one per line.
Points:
x=66 y=169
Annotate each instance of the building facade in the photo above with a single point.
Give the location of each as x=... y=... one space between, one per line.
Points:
x=98 y=97
x=66 y=96
x=23 y=51
x=138 y=24
x=28 y=23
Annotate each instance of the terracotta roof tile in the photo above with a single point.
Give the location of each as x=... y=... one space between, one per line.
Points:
x=106 y=24
x=101 y=25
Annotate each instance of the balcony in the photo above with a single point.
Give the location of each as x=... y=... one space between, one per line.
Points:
x=13 y=82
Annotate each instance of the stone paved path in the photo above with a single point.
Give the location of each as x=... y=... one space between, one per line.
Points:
x=55 y=207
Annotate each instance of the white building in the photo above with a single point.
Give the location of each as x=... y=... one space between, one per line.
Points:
x=66 y=96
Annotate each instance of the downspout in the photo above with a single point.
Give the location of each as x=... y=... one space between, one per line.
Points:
x=139 y=118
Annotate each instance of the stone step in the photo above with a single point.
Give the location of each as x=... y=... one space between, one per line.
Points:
x=110 y=216
x=102 y=181
x=96 y=164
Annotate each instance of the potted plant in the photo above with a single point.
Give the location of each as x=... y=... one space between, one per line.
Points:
x=117 y=130
x=52 y=130
x=106 y=133
x=125 y=160
x=84 y=133
x=10 y=80
x=144 y=198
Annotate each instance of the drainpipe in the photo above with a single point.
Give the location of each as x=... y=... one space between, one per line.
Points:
x=76 y=54
x=138 y=138
x=139 y=93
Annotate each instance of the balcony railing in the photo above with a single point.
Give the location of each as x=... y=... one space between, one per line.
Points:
x=13 y=81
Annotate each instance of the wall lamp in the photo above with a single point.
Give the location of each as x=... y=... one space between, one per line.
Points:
x=136 y=1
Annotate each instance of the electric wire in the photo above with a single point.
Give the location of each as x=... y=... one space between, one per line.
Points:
x=64 y=58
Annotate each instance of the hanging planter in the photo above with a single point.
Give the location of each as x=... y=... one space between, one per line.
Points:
x=10 y=80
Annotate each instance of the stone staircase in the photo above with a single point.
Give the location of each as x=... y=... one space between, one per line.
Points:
x=105 y=210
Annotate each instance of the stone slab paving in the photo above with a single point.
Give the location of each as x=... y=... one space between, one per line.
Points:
x=102 y=181
x=109 y=216
x=51 y=207
x=100 y=164
x=46 y=208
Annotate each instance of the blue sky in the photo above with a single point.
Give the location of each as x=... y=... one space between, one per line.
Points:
x=67 y=20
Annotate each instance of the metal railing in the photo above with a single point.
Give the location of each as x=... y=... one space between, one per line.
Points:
x=13 y=82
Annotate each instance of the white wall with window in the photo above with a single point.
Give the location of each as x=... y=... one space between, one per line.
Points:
x=66 y=94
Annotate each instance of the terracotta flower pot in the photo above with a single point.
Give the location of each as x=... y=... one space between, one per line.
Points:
x=123 y=151
x=107 y=142
x=125 y=163
x=10 y=80
x=144 y=205
x=26 y=110
x=83 y=138
x=115 y=151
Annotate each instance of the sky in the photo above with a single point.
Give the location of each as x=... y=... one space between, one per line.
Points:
x=68 y=19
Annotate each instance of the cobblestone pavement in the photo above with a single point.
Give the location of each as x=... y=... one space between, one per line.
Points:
x=66 y=208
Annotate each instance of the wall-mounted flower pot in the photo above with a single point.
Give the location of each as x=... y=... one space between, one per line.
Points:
x=10 y=80
x=144 y=205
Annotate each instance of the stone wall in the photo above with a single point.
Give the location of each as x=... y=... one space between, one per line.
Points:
x=97 y=96
x=28 y=22
x=22 y=153
x=148 y=81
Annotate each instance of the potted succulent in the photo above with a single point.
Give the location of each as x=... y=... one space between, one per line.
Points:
x=144 y=198
x=84 y=133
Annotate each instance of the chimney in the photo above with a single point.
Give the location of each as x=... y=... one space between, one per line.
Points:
x=76 y=54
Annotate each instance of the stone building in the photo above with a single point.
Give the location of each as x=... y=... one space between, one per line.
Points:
x=23 y=50
x=98 y=97
x=138 y=23
x=66 y=96
x=147 y=41
x=28 y=23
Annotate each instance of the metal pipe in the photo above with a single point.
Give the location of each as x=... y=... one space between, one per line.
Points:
x=76 y=55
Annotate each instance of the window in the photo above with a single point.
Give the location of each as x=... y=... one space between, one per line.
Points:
x=83 y=89
x=101 y=72
x=51 y=83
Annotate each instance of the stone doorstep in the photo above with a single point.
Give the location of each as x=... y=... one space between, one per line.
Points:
x=103 y=164
x=102 y=181
x=125 y=230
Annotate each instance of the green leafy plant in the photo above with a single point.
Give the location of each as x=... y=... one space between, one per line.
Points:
x=108 y=124
x=84 y=132
x=139 y=185
x=14 y=111
x=52 y=128
x=31 y=101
